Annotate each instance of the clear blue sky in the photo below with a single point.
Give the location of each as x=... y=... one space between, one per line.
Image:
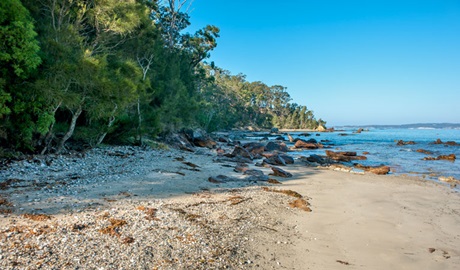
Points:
x=351 y=62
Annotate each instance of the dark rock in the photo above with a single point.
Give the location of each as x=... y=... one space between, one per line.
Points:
x=344 y=156
x=280 y=138
x=280 y=172
x=276 y=146
x=305 y=134
x=254 y=148
x=275 y=160
x=254 y=172
x=241 y=152
x=179 y=141
x=316 y=158
x=223 y=140
x=287 y=159
x=274 y=130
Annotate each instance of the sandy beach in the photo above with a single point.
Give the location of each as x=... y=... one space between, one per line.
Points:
x=170 y=216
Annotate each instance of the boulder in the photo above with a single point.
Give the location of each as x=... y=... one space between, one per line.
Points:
x=239 y=151
x=275 y=160
x=306 y=144
x=280 y=172
x=180 y=141
x=276 y=146
x=274 y=130
x=287 y=159
x=316 y=158
x=254 y=148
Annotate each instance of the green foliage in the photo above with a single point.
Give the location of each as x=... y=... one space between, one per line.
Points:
x=120 y=71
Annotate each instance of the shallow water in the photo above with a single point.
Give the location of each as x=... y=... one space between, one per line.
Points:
x=382 y=148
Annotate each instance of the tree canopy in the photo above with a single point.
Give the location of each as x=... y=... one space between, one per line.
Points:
x=120 y=71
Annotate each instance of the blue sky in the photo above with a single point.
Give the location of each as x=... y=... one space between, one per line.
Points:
x=351 y=62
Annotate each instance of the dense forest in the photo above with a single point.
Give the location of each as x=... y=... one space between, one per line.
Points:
x=117 y=71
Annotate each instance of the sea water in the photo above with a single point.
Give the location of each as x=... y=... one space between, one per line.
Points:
x=381 y=143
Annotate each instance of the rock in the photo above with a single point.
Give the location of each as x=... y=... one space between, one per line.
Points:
x=305 y=144
x=451 y=143
x=256 y=175
x=253 y=172
x=241 y=152
x=274 y=130
x=179 y=141
x=280 y=172
x=366 y=153
x=340 y=167
x=287 y=159
x=344 y=156
x=276 y=146
x=424 y=151
x=275 y=160
x=254 y=148
x=359 y=131
x=316 y=158
x=374 y=169
x=449 y=179
x=320 y=128
x=450 y=157
x=401 y=142
x=223 y=140
x=241 y=167
x=305 y=134
x=221 y=179
x=280 y=138
x=290 y=137
x=379 y=170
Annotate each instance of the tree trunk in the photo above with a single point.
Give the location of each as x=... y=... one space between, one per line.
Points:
x=139 y=125
x=50 y=134
x=69 y=133
x=111 y=121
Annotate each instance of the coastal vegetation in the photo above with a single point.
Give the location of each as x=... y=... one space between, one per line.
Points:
x=121 y=71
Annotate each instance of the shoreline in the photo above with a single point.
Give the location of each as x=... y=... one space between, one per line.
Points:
x=357 y=220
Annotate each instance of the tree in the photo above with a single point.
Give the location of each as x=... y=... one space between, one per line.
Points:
x=18 y=58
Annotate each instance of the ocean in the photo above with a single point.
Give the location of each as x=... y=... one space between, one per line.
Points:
x=381 y=143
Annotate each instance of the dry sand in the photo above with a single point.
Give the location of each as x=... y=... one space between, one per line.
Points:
x=357 y=221
x=371 y=222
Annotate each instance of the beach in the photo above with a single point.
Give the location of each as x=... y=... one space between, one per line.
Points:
x=158 y=209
